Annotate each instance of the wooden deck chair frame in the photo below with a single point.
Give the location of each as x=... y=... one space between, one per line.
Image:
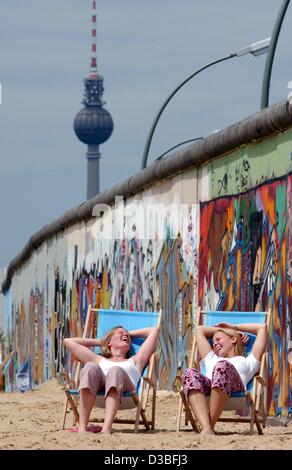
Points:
x=256 y=394
x=137 y=399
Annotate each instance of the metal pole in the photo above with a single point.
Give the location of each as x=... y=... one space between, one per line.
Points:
x=271 y=53
x=149 y=139
x=178 y=145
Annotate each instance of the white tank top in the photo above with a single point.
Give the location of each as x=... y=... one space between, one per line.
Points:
x=128 y=366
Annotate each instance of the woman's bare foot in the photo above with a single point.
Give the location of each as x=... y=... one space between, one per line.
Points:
x=106 y=431
x=76 y=429
x=207 y=430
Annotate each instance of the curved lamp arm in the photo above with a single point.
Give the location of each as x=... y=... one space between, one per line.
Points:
x=149 y=139
x=178 y=145
x=271 y=53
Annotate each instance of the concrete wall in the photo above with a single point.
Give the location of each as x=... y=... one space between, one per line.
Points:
x=2 y=303
x=48 y=296
x=219 y=236
x=2 y=316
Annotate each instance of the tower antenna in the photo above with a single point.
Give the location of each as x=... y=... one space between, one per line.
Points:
x=93 y=62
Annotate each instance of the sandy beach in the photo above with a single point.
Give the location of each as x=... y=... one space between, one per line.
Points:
x=33 y=421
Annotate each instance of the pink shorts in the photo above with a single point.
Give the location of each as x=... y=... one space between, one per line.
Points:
x=224 y=376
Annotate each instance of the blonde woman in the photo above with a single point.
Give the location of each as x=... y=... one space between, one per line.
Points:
x=112 y=371
x=227 y=368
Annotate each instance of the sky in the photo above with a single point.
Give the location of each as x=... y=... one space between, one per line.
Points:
x=145 y=49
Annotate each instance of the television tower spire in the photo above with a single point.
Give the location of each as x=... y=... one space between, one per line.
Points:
x=93 y=63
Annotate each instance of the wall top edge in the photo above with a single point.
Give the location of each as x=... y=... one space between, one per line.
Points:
x=274 y=119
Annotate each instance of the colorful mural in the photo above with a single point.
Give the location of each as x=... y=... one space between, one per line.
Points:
x=245 y=264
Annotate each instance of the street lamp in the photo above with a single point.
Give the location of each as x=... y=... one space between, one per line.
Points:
x=271 y=53
x=256 y=49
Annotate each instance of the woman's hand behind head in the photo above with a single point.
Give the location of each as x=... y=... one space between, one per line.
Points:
x=244 y=337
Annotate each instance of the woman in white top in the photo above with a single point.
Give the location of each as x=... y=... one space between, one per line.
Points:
x=227 y=369
x=112 y=370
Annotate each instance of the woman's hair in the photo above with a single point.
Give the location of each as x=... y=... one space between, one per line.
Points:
x=104 y=345
x=239 y=348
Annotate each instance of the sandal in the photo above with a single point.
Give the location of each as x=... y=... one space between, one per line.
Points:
x=92 y=428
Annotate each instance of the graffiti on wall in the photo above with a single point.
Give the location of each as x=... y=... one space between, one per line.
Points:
x=245 y=264
x=128 y=283
x=29 y=333
x=176 y=288
x=250 y=166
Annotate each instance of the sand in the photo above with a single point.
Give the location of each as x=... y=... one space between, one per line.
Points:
x=33 y=421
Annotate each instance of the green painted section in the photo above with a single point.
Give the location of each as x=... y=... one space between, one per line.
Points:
x=250 y=166
x=242 y=207
x=281 y=205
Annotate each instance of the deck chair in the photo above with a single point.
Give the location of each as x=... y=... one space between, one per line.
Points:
x=252 y=402
x=98 y=322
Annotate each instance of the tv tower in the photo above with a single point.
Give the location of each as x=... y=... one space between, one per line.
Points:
x=93 y=125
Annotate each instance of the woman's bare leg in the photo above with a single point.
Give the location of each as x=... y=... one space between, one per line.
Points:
x=116 y=381
x=218 y=400
x=198 y=404
x=86 y=403
x=112 y=403
x=91 y=380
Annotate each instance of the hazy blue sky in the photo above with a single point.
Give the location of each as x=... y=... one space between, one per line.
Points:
x=145 y=48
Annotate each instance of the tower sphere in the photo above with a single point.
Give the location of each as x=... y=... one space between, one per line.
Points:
x=93 y=125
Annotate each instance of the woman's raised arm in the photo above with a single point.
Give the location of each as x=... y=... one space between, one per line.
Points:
x=258 y=329
x=80 y=348
x=88 y=342
x=147 y=348
x=202 y=335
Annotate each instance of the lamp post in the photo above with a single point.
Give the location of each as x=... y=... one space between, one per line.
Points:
x=271 y=53
x=256 y=49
